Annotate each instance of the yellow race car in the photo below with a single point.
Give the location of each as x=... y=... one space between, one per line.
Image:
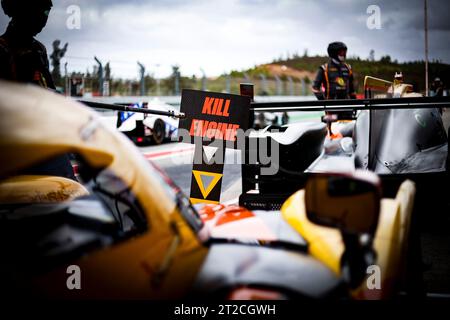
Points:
x=123 y=230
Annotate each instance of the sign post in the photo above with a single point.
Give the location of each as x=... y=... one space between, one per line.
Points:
x=212 y=121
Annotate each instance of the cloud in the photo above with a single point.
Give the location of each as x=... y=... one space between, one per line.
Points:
x=221 y=35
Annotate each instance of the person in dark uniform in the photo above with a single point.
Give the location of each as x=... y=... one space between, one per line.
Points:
x=24 y=59
x=334 y=79
x=437 y=88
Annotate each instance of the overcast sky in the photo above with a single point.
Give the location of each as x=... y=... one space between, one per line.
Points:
x=222 y=35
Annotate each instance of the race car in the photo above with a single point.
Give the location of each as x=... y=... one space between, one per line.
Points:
x=124 y=230
x=145 y=128
x=399 y=135
x=265 y=119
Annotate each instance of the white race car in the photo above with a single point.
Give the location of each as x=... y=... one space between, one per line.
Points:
x=144 y=128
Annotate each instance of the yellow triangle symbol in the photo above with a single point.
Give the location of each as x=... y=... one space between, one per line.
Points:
x=198 y=177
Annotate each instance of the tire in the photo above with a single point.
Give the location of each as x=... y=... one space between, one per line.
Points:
x=158 y=132
x=284 y=118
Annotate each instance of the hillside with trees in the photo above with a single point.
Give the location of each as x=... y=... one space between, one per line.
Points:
x=385 y=68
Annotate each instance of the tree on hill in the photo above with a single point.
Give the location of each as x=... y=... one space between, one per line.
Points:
x=385 y=59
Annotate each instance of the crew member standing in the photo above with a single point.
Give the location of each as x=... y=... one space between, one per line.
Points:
x=437 y=88
x=334 y=79
x=24 y=59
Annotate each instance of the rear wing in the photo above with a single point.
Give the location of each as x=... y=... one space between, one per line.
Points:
x=373 y=85
x=127 y=108
x=353 y=104
x=379 y=88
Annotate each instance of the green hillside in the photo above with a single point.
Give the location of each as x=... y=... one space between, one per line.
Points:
x=385 y=68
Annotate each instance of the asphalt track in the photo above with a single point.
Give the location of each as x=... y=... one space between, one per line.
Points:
x=176 y=160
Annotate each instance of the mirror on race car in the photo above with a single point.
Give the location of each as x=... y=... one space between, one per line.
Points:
x=349 y=202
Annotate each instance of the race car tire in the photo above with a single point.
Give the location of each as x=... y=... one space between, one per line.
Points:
x=158 y=131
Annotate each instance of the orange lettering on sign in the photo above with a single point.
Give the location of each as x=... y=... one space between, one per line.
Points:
x=192 y=132
x=205 y=127
x=216 y=106
x=219 y=108
x=211 y=132
x=231 y=132
x=212 y=129
x=219 y=133
x=207 y=105
x=216 y=103
x=227 y=106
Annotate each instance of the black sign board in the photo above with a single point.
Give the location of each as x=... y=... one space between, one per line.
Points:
x=211 y=117
x=206 y=179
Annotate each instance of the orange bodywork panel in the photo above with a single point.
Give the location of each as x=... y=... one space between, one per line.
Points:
x=234 y=222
